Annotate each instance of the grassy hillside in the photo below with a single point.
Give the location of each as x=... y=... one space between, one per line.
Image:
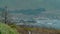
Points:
x=12 y=29
x=5 y=29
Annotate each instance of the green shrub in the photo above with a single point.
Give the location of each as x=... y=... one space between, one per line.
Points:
x=5 y=29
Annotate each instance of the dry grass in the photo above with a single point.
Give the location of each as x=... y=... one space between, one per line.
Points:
x=24 y=30
x=40 y=30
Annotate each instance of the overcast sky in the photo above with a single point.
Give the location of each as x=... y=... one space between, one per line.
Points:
x=27 y=4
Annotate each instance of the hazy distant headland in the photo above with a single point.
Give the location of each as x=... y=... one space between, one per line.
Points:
x=34 y=17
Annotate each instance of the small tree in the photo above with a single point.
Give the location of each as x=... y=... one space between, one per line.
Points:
x=5 y=15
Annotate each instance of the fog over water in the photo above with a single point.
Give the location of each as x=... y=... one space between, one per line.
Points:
x=52 y=10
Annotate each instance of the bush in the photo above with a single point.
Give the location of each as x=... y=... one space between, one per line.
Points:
x=5 y=29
